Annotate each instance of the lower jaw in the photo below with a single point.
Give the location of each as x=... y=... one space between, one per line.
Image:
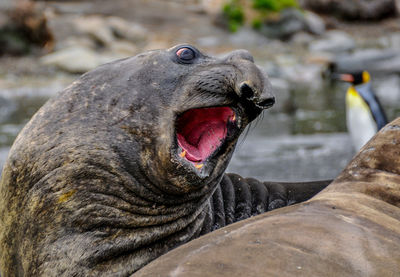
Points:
x=217 y=161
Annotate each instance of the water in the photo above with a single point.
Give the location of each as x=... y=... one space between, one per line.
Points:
x=305 y=139
x=15 y=113
x=17 y=106
x=292 y=158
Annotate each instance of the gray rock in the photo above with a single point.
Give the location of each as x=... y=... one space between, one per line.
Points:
x=376 y=61
x=107 y=31
x=3 y=18
x=73 y=41
x=127 y=30
x=397 y=3
x=389 y=66
x=315 y=24
x=334 y=42
x=302 y=38
x=23 y=28
x=388 y=90
x=273 y=70
x=77 y=59
x=353 y=9
x=7 y=4
x=212 y=7
x=290 y=22
x=72 y=7
x=209 y=41
x=96 y=27
x=7 y=107
x=124 y=48
x=305 y=76
x=247 y=37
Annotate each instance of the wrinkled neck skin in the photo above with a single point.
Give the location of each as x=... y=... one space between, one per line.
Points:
x=93 y=172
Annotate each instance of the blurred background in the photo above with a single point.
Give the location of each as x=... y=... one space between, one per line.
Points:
x=300 y=44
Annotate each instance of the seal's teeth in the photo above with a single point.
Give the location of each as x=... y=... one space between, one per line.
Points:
x=198 y=166
x=183 y=153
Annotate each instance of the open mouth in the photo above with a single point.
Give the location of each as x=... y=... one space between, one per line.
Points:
x=201 y=132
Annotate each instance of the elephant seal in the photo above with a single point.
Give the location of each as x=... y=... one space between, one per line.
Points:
x=352 y=228
x=128 y=162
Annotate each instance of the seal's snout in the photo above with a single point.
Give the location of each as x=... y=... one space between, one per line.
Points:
x=252 y=86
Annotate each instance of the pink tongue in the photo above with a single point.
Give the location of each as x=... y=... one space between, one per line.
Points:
x=202 y=140
x=201 y=131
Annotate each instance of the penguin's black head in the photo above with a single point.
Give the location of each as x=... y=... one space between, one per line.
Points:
x=355 y=78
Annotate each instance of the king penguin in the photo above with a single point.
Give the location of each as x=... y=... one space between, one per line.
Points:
x=364 y=113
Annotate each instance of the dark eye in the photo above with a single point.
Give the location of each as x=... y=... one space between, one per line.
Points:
x=185 y=54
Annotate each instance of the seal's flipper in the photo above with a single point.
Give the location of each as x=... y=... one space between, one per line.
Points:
x=300 y=191
x=238 y=198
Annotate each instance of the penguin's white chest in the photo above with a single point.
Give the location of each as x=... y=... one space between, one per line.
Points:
x=360 y=122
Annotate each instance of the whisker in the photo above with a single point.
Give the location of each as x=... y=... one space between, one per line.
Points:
x=243 y=138
x=252 y=125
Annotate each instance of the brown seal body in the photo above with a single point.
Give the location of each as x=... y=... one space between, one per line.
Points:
x=352 y=228
x=128 y=162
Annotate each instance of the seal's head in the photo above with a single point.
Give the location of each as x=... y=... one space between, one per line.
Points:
x=171 y=118
x=121 y=165
x=186 y=111
x=202 y=104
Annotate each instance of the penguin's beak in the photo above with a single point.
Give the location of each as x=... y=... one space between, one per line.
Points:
x=343 y=77
x=347 y=78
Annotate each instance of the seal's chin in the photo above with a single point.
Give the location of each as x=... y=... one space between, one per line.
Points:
x=201 y=132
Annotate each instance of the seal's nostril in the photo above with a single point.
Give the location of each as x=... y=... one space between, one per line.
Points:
x=267 y=103
x=246 y=91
